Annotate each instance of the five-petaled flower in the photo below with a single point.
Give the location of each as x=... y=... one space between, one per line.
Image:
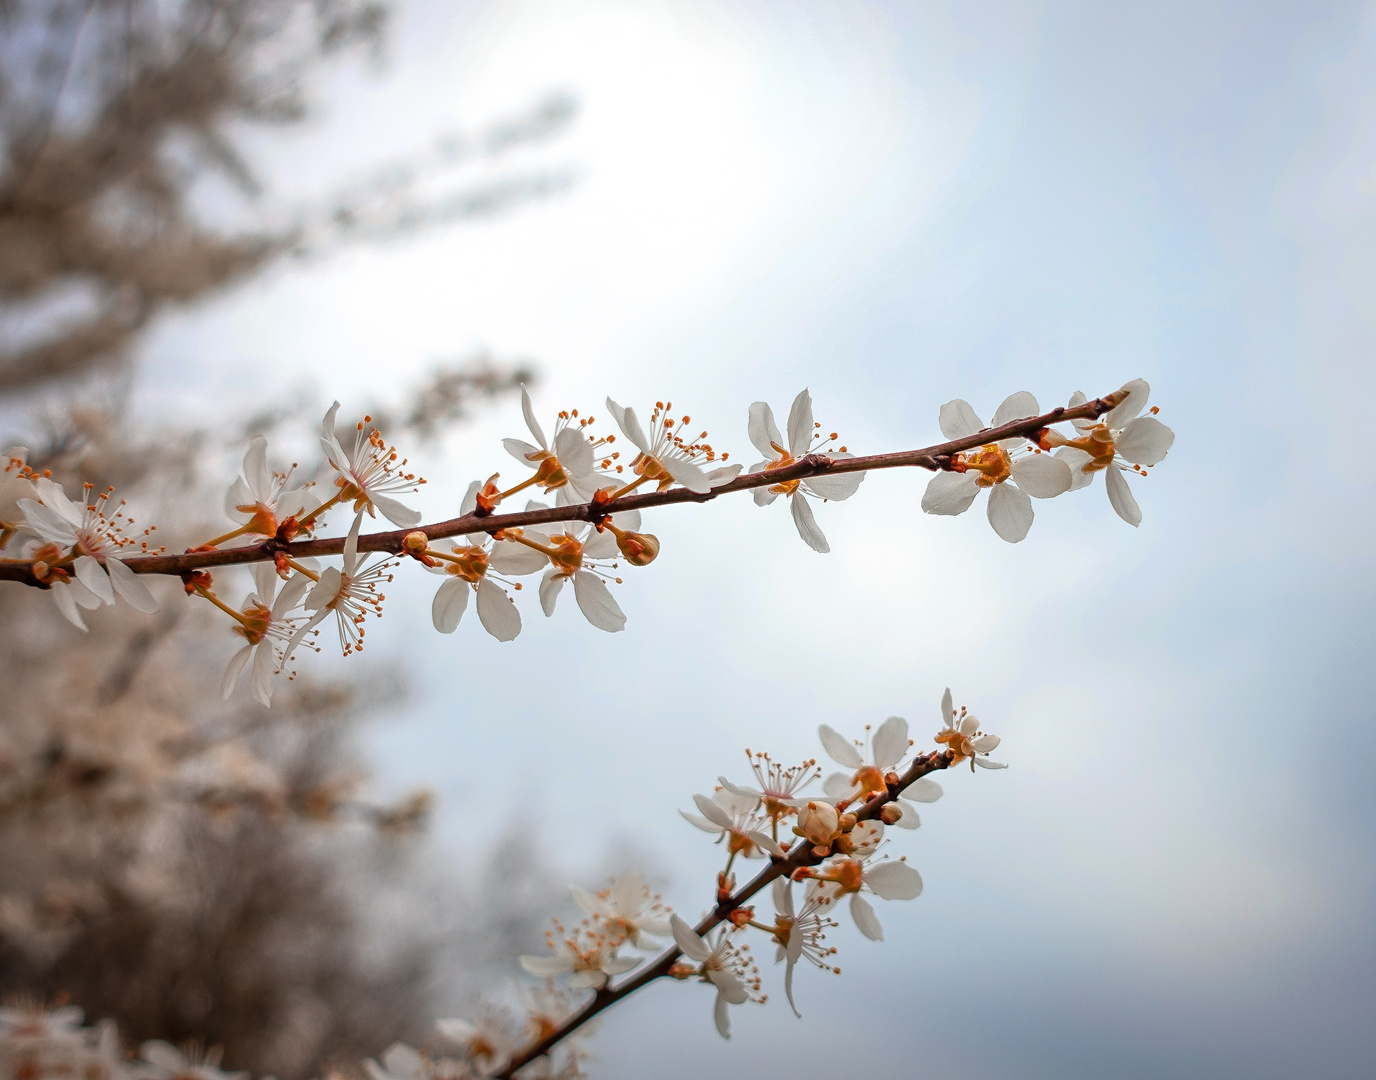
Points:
x=1010 y=476
x=259 y=499
x=349 y=594
x=469 y=568
x=566 y=466
x=669 y=456
x=369 y=474
x=96 y=544
x=889 y=879
x=625 y=907
x=888 y=745
x=802 y=431
x=960 y=734
x=721 y=963
x=1121 y=441
x=267 y=623
x=800 y=936
x=738 y=820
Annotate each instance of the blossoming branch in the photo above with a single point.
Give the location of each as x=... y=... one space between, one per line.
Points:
x=87 y=552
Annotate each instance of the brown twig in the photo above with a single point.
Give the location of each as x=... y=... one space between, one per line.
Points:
x=800 y=856
x=935 y=458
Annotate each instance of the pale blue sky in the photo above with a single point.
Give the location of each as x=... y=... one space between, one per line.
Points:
x=896 y=205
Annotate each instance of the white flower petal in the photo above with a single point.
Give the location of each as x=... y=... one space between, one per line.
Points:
x=1076 y=459
x=894 y=880
x=127 y=583
x=547 y=965
x=460 y=1031
x=865 y=918
x=923 y=790
x=890 y=742
x=291 y=594
x=807 y=525
x=686 y=473
x=596 y=602
x=619 y=965
x=1010 y=512
x=722 y=1017
x=326 y=589
x=1138 y=392
x=688 y=940
x=985 y=763
x=529 y=414
x=397 y=513
x=451 y=600
x=232 y=669
x=908 y=817
x=1144 y=441
x=958 y=419
x=713 y=811
x=48 y=522
x=496 y=612
x=800 y=424
x=521 y=450
x=264 y=668
x=838 y=786
x=550 y=586
x=724 y=475
x=1015 y=407
x=766 y=843
x=835 y=486
x=950 y=493
x=630 y=427
x=574 y=450
x=729 y=986
x=509 y=557
x=256 y=469
x=701 y=823
x=1042 y=476
x=1078 y=398
x=840 y=749
x=239 y=494
x=1120 y=497
x=985 y=743
x=764 y=433
x=629 y=892
x=93 y=576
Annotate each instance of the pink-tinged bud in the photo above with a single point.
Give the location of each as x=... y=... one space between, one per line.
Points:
x=817 y=823
x=889 y=813
x=640 y=549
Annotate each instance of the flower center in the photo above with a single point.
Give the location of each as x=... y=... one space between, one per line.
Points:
x=567 y=555
x=788 y=487
x=847 y=873
x=991 y=461
x=254 y=623
x=870 y=778
x=470 y=563
x=1097 y=442
x=959 y=744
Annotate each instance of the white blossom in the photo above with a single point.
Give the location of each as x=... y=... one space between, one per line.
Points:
x=267 y=623
x=350 y=594
x=627 y=907
x=259 y=499
x=587 y=965
x=368 y=475
x=97 y=541
x=16 y=482
x=888 y=746
x=961 y=735
x=860 y=872
x=738 y=820
x=800 y=936
x=468 y=570
x=721 y=964
x=764 y=433
x=1008 y=468
x=166 y=1062
x=1120 y=442
x=668 y=456
x=563 y=465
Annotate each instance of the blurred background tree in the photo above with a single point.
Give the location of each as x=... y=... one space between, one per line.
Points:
x=192 y=868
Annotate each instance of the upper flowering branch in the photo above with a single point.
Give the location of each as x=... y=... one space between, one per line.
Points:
x=941 y=457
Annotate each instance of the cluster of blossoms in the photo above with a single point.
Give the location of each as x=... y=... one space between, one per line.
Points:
x=78 y=550
x=817 y=851
x=51 y=1044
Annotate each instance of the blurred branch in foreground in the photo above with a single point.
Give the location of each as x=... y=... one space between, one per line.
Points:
x=114 y=118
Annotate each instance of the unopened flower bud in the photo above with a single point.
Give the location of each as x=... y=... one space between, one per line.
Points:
x=680 y=970
x=846 y=822
x=415 y=543
x=741 y=916
x=889 y=813
x=817 y=822
x=640 y=549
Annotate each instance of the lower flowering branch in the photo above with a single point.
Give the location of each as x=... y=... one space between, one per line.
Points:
x=800 y=857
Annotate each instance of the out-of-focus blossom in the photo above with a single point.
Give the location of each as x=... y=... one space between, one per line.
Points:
x=165 y=1062
x=737 y=819
x=97 y=541
x=16 y=482
x=1009 y=469
x=626 y=907
x=486 y=1043
x=1122 y=441
x=803 y=439
x=369 y=474
x=588 y=955
x=960 y=734
x=721 y=963
x=668 y=456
